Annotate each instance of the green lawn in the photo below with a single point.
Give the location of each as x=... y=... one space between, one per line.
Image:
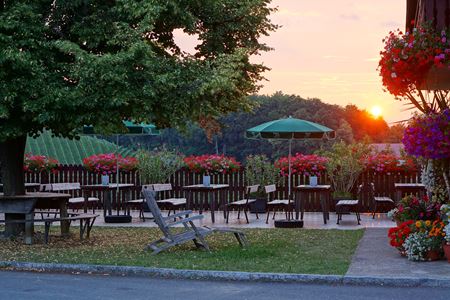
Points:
x=271 y=250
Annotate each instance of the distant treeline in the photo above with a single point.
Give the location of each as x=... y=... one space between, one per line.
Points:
x=350 y=123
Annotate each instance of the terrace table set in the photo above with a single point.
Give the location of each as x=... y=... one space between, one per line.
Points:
x=215 y=196
x=302 y=194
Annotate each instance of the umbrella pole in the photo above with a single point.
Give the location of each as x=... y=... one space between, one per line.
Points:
x=289 y=162
x=117 y=174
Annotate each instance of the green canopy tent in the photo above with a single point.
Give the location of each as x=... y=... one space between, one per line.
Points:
x=290 y=129
x=130 y=128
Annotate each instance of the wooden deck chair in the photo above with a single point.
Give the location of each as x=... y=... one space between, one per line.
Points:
x=243 y=204
x=275 y=205
x=190 y=232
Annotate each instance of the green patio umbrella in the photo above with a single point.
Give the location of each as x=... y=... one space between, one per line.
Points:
x=290 y=129
x=132 y=128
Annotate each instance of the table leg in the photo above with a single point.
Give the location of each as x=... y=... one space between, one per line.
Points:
x=188 y=200
x=107 y=209
x=212 y=204
x=224 y=202
x=398 y=195
x=29 y=228
x=86 y=201
x=65 y=225
x=297 y=204
x=323 y=205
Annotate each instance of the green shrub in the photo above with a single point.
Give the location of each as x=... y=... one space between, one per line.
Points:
x=157 y=167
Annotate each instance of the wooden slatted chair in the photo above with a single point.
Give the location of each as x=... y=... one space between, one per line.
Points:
x=189 y=233
x=243 y=204
x=277 y=204
x=171 y=203
x=74 y=202
x=378 y=201
x=350 y=205
x=139 y=204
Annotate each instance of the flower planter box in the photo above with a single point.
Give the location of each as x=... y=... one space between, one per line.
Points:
x=436 y=79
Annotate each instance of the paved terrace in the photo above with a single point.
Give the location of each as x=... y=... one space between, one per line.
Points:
x=312 y=220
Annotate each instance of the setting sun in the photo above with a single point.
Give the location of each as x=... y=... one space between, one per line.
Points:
x=376 y=111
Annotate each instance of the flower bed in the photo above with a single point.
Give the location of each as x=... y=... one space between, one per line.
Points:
x=309 y=165
x=212 y=164
x=388 y=162
x=40 y=163
x=422 y=231
x=106 y=164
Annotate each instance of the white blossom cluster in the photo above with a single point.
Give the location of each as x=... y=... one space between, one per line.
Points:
x=417 y=245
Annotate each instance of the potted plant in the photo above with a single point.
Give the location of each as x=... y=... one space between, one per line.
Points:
x=211 y=164
x=398 y=235
x=345 y=162
x=445 y=216
x=415 y=208
x=425 y=244
x=260 y=170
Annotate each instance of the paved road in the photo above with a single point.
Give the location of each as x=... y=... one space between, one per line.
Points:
x=36 y=286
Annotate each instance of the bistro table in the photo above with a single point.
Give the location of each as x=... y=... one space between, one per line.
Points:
x=26 y=204
x=302 y=193
x=29 y=186
x=408 y=188
x=210 y=192
x=106 y=195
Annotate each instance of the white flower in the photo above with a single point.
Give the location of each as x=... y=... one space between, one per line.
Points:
x=393 y=75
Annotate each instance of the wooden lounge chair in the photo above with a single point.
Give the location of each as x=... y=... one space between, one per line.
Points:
x=190 y=232
x=243 y=204
x=277 y=204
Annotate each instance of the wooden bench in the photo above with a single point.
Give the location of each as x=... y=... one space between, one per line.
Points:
x=72 y=187
x=86 y=223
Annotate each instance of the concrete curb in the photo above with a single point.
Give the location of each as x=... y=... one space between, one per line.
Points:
x=225 y=275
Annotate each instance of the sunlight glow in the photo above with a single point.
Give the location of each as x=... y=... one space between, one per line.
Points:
x=376 y=111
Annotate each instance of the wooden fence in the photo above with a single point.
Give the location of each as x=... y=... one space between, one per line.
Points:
x=384 y=183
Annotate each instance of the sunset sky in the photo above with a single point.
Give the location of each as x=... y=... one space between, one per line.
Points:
x=330 y=50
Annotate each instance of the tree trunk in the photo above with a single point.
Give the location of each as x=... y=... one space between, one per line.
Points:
x=11 y=162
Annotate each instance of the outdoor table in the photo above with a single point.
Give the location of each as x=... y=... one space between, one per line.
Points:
x=302 y=193
x=29 y=186
x=106 y=191
x=210 y=191
x=25 y=204
x=408 y=188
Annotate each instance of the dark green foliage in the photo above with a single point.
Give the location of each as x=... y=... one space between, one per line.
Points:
x=349 y=122
x=66 y=63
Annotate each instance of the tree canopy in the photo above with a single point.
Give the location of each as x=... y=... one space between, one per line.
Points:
x=66 y=63
x=69 y=63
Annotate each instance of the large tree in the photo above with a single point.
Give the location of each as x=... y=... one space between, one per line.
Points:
x=66 y=63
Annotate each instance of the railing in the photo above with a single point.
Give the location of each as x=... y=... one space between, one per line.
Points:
x=384 y=183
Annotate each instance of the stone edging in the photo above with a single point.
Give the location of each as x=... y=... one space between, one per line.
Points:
x=225 y=275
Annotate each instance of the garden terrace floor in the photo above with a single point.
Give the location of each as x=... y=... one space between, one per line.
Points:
x=312 y=220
